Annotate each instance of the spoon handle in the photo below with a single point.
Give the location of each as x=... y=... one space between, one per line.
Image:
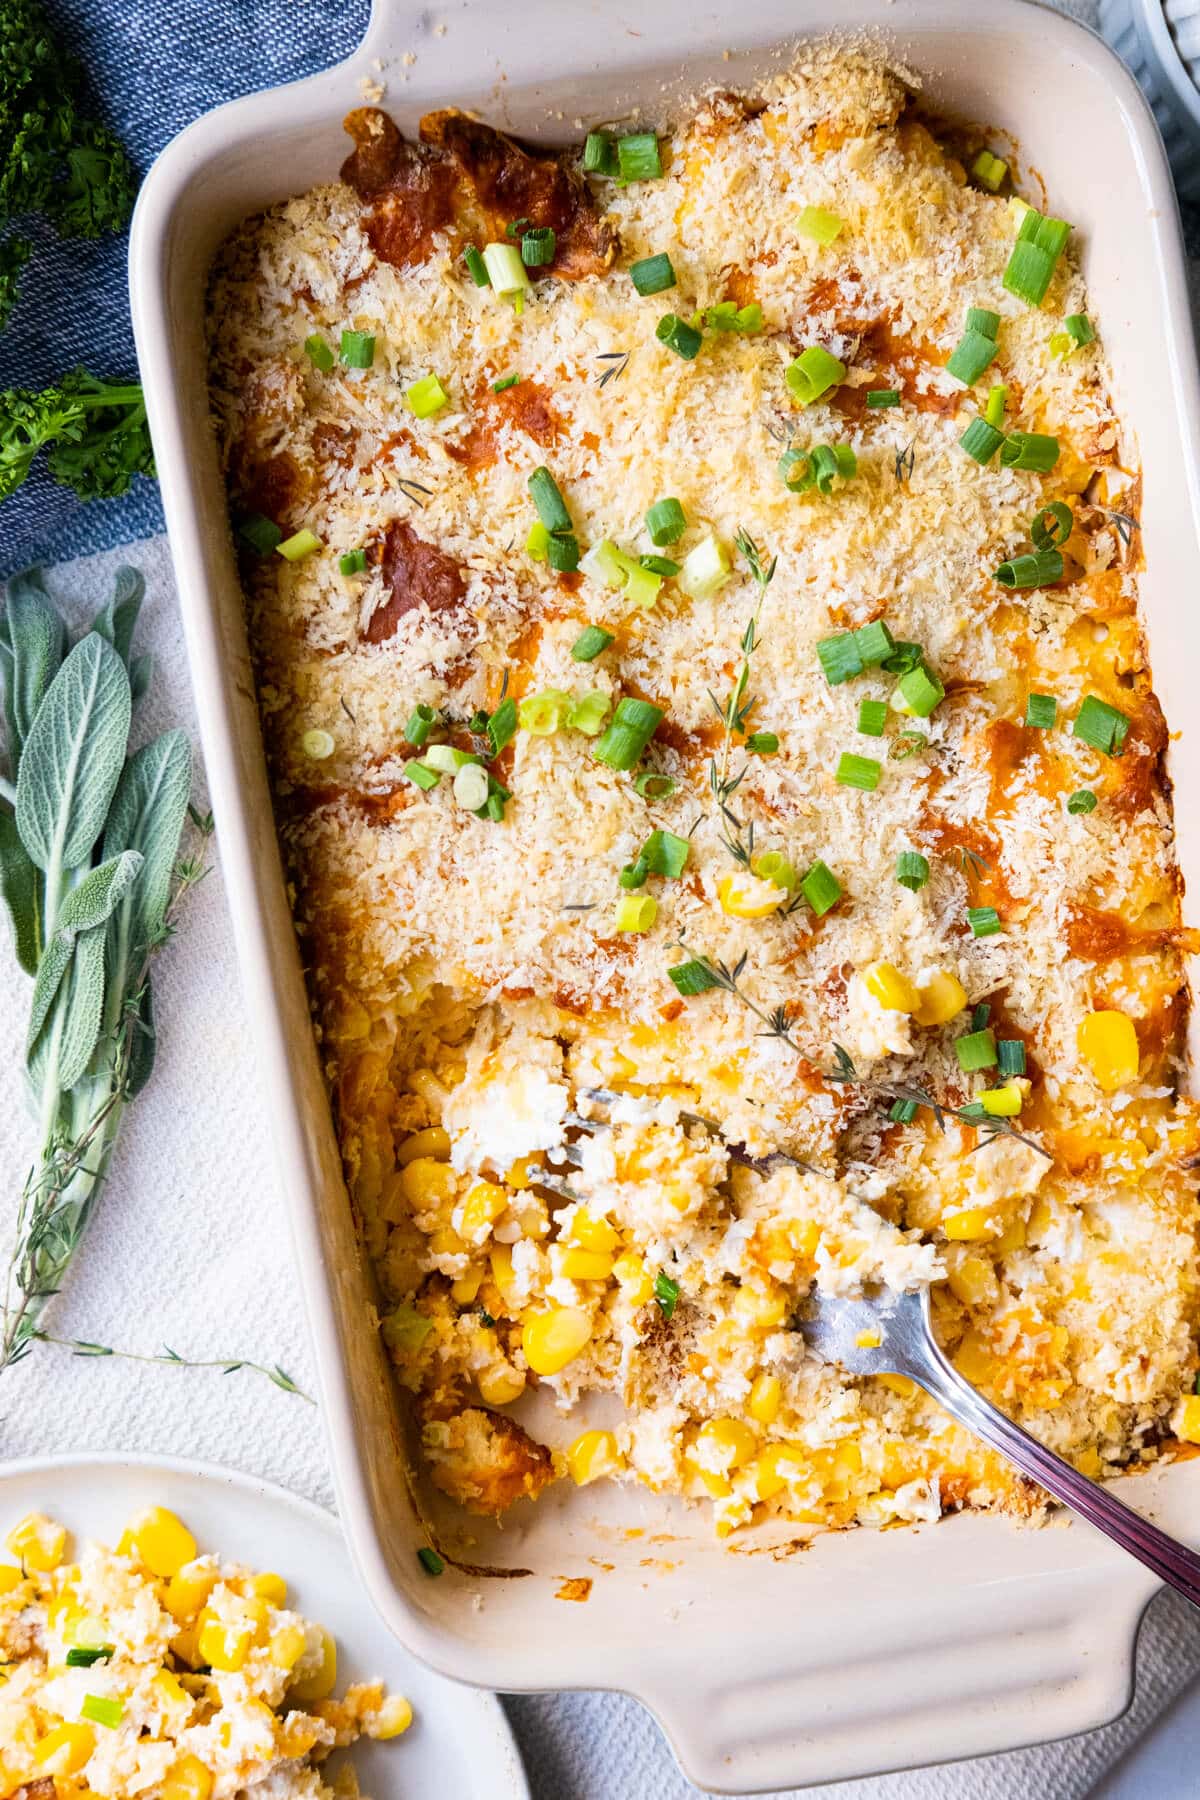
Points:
x=1172 y=1561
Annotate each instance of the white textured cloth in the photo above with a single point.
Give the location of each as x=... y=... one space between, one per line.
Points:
x=190 y=1247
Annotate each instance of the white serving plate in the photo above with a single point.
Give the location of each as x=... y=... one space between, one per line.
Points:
x=459 y=1743
x=869 y=1651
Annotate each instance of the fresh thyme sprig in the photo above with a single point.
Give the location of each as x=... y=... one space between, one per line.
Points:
x=777 y=1021
x=228 y=1365
x=617 y=362
x=843 y=1070
x=736 y=834
x=906 y=461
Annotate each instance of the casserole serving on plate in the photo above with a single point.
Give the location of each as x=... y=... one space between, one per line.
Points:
x=556 y=1540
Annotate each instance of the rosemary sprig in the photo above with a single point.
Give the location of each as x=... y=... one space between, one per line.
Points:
x=228 y=1365
x=843 y=1070
x=736 y=835
x=617 y=361
x=777 y=1021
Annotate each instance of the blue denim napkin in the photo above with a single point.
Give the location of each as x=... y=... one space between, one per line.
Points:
x=154 y=68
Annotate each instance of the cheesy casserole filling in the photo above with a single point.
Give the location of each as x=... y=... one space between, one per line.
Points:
x=730 y=845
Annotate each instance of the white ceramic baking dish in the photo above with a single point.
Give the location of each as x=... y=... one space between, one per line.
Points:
x=868 y=1651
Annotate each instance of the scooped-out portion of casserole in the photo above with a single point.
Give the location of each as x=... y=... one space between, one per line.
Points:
x=692 y=578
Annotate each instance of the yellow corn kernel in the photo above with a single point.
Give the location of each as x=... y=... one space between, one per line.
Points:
x=10 y=1578
x=762 y=1307
x=554 y=1338
x=766 y=1396
x=726 y=1443
x=592 y=1456
x=1012 y=1237
x=972 y=1358
x=637 y=1283
x=433 y=1142
x=776 y=1468
x=38 y=1542
x=524 y=1173
x=894 y=991
x=221 y=1646
x=425 y=1182
x=805 y=1235
x=188 y=1589
x=481 y=1208
x=287 y=1646
x=64 y=1750
x=322 y=1684
x=973 y=1222
x=899 y=1384
x=258 y=1616
x=168 y=1690
x=1088 y=1463
x=746 y=896
x=972 y=1281
x=591 y=1233
x=1108 y=1044
x=466 y=1288
x=1188 y=1427
x=940 y=998
x=390 y=1719
x=188 y=1779
x=869 y=1339
x=584 y=1265
x=716 y=1486
x=162 y=1541
x=1002 y=1102
x=186 y=1645
x=499 y=1385
x=447 y=1243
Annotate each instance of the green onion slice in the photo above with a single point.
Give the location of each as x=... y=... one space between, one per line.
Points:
x=507 y=273
x=1010 y=1056
x=551 y=507
x=421 y=775
x=629 y=731
x=538 y=245
x=762 y=743
x=430 y=1561
x=353 y=562
x=666 y=522
x=421 y=722
x=358 y=349
x=562 y=553
x=659 y=565
x=921 y=691
x=635 y=912
x=301 y=544
x=1029 y=450
x=981 y=441
x=665 y=854
x=589 y=644
x=588 y=713
x=840 y=657
x=318 y=353
x=813 y=373
x=1038 y=568
x=971 y=355
x=858 y=772
x=102 y=1711
x=1080 y=328
x=1101 y=725
x=912 y=870
x=1040 y=243
x=666 y=1292
x=502 y=726
x=902 y=1112
x=638 y=157
x=816 y=223
x=81 y=1657
x=542 y=714
x=653 y=274
x=476 y=267
x=679 y=336
x=633 y=875
x=875 y=643
x=1041 y=711
x=505 y=382
x=600 y=154
x=878 y=398
x=1082 y=801
x=261 y=533
x=872 y=717
x=977 y=1050
x=1061 y=522
x=984 y=921
x=653 y=786
x=993 y=411
x=821 y=888
x=989 y=170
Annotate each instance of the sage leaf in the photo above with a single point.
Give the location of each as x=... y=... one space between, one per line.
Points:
x=116 y=620
x=141 y=674
x=94 y=900
x=73 y=757
x=143 y=1046
x=51 y=969
x=32 y=641
x=82 y=1000
x=20 y=885
x=148 y=814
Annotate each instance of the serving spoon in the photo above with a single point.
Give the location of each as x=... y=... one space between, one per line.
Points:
x=906 y=1345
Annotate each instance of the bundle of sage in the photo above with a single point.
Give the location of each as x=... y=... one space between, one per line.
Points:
x=91 y=876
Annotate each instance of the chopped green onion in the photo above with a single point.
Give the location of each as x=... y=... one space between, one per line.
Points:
x=261 y=533
x=635 y=912
x=537 y=543
x=653 y=274
x=821 y=888
x=993 y=412
x=981 y=441
x=497 y=798
x=653 y=786
x=762 y=743
x=421 y=775
x=678 y=336
x=1037 y=568
x=904 y=657
x=977 y=1050
x=551 y=507
x=828 y=460
x=562 y=553
x=775 y=867
x=358 y=349
x=666 y=1292
x=1101 y=725
x=872 y=717
x=600 y=154
x=630 y=730
x=102 y=1711
x=318 y=353
x=1040 y=243
x=695 y=977
x=815 y=223
x=883 y=397
x=1010 y=1056
x=638 y=157
x=902 y=1112
x=633 y=875
x=642 y=585
x=989 y=170
x=981 y=320
x=502 y=726
x=476 y=267
x=1062 y=523
x=1041 y=711
x=984 y=921
x=727 y=315
x=604 y=562
x=302 y=543
x=542 y=714
x=666 y=854
x=1079 y=328
x=813 y=373
x=590 y=642
x=666 y=522
x=421 y=722
x=507 y=273
x=912 y=870
x=588 y=713
x=980 y=1015
x=505 y=382
x=1029 y=450
x=1082 y=801
x=447 y=760
x=538 y=245
x=80 y=1657
x=921 y=691
x=706 y=568
x=430 y=1561
x=471 y=787
x=353 y=562
x=973 y=352
x=659 y=565
x=858 y=772
x=839 y=657
x=875 y=643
